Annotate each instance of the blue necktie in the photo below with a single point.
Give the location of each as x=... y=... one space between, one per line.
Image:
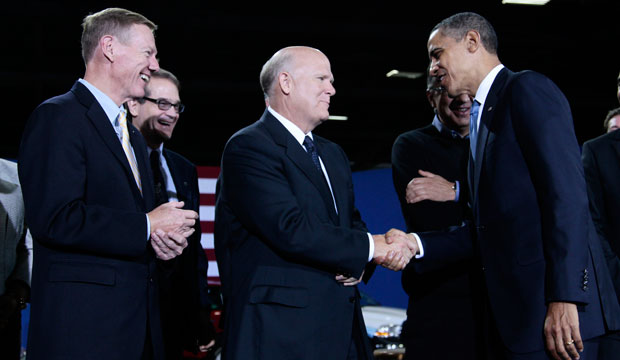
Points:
x=311 y=149
x=473 y=128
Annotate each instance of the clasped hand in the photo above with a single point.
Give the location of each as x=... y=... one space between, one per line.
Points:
x=395 y=249
x=170 y=228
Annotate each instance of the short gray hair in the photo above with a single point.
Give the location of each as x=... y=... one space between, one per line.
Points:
x=272 y=68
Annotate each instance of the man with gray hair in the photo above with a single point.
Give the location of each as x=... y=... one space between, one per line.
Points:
x=89 y=204
x=290 y=244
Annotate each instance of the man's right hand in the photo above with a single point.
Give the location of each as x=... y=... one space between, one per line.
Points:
x=170 y=217
x=396 y=253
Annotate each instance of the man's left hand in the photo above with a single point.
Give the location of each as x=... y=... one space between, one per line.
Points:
x=349 y=281
x=562 y=335
x=167 y=245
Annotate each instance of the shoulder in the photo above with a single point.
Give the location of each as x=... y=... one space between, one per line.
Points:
x=415 y=138
x=177 y=158
x=601 y=141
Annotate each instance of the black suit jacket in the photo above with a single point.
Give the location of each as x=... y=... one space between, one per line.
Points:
x=183 y=281
x=532 y=228
x=447 y=294
x=601 y=162
x=279 y=244
x=94 y=289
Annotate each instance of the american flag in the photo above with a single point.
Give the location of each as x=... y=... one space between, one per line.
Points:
x=207 y=178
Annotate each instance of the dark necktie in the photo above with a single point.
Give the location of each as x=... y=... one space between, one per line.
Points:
x=161 y=195
x=473 y=127
x=311 y=149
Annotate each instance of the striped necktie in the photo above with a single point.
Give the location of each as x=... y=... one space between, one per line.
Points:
x=122 y=122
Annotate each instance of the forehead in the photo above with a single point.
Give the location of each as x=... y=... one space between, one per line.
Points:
x=162 y=87
x=437 y=40
x=140 y=35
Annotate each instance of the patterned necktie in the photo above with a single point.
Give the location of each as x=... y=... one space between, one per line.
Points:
x=122 y=122
x=473 y=128
x=311 y=149
x=161 y=196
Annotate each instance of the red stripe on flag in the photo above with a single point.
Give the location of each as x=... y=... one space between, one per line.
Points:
x=210 y=254
x=208 y=171
x=206 y=226
x=207 y=199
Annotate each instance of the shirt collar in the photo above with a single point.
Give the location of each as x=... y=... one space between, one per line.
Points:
x=297 y=133
x=443 y=129
x=109 y=107
x=485 y=85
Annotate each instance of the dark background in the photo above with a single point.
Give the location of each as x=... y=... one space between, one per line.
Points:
x=217 y=50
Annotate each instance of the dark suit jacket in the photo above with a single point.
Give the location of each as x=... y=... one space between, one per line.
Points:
x=279 y=244
x=532 y=228
x=601 y=163
x=180 y=283
x=448 y=294
x=94 y=289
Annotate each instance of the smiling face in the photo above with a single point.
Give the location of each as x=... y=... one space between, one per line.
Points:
x=452 y=63
x=452 y=112
x=311 y=87
x=156 y=125
x=134 y=61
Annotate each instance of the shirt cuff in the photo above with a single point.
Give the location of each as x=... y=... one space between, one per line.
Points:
x=148 y=227
x=371 y=247
x=458 y=191
x=420 y=247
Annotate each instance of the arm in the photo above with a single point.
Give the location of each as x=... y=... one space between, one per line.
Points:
x=254 y=173
x=54 y=171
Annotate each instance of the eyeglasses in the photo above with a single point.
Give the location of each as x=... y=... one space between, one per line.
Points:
x=164 y=105
x=438 y=90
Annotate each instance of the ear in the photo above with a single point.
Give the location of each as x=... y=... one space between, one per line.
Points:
x=473 y=41
x=133 y=107
x=431 y=100
x=106 y=43
x=285 y=81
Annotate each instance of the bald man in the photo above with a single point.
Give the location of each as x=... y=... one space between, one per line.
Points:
x=290 y=244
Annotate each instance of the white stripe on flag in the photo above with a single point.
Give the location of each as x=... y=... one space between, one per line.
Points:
x=206 y=240
x=213 y=269
x=206 y=185
x=207 y=213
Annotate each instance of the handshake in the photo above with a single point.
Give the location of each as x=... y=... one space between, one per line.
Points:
x=394 y=249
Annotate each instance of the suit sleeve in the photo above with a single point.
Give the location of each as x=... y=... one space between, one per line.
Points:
x=257 y=188
x=543 y=127
x=53 y=171
x=595 y=190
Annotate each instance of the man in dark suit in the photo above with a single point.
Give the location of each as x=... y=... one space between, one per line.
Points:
x=89 y=198
x=547 y=284
x=289 y=242
x=422 y=161
x=183 y=286
x=600 y=158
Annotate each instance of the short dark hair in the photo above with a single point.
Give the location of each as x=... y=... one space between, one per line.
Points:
x=609 y=116
x=160 y=74
x=111 y=21
x=457 y=26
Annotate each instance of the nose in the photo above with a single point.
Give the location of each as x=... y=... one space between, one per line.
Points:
x=331 y=90
x=433 y=68
x=153 y=63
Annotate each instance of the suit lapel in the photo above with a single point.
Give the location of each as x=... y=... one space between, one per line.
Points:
x=180 y=184
x=334 y=172
x=298 y=155
x=486 y=119
x=104 y=128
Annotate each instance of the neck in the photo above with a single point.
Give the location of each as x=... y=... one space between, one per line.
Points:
x=103 y=82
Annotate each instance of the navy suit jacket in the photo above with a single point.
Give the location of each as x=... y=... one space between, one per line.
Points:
x=184 y=282
x=279 y=244
x=532 y=229
x=93 y=286
x=601 y=163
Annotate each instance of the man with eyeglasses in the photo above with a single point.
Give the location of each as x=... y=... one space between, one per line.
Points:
x=429 y=169
x=183 y=285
